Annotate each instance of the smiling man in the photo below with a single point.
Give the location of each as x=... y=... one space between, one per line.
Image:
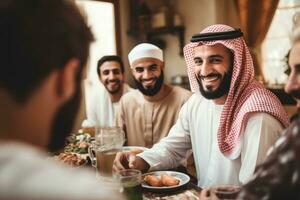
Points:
x=229 y=122
x=102 y=109
x=214 y=78
x=148 y=113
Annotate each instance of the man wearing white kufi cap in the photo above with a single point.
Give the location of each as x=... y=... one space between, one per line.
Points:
x=147 y=114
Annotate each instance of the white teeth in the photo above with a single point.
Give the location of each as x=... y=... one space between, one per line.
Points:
x=148 y=82
x=212 y=78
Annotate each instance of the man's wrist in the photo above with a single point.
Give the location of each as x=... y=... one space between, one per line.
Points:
x=144 y=165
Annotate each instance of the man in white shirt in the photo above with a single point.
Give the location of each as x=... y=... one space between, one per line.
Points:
x=229 y=125
x=103 y=103
x=44 y=48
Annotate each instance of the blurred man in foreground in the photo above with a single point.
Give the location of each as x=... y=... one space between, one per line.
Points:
x=44 y=48
x=279 y=176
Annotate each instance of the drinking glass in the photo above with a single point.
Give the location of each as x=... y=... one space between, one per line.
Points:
x=226 y=192
x=108 y=142
x=130 y=180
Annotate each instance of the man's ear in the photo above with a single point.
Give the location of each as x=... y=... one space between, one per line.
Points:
x=66 y=81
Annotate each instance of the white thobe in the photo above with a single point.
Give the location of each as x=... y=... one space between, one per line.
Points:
x=197 y=128
x=100 y=110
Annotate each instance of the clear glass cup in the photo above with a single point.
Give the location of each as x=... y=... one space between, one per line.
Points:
x=226 y=192
x=130 y=180
x=108 y=142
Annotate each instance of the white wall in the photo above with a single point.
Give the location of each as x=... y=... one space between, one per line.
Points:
x=196 y=15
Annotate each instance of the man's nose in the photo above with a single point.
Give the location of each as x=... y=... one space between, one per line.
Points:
x=205 y=69
x=111 y=76
x=147 y=74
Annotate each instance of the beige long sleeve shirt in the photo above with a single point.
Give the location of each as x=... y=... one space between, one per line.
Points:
x=145 y=122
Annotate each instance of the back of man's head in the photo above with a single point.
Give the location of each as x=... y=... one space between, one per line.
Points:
x=37 y=37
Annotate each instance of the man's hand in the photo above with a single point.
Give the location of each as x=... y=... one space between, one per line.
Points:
x=125 y=160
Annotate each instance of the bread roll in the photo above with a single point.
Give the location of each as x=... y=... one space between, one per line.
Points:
x=168 y=180
x=153 y=181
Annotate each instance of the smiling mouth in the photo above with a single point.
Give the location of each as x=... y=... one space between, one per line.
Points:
x=113 y=83
x=210 y=77
x=148 y=82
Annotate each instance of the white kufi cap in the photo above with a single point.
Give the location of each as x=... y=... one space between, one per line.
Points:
x=145 y=50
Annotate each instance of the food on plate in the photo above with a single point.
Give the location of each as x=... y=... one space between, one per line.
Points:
x=78 y=143
x=71 y=159
x=153 y=181
x=136 y=151
x=168 y=180
x=162 y=180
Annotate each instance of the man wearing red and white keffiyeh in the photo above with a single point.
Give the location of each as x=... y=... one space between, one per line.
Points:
x=243 y=95
x=230 y=121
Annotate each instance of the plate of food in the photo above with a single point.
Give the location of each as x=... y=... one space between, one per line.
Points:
x=134 y=149
x=162 y=181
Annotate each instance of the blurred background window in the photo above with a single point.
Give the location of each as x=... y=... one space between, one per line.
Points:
x=106 y=42
x=96 y=13
x=277 y=43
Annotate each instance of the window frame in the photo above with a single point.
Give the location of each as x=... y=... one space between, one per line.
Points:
x=116 y=4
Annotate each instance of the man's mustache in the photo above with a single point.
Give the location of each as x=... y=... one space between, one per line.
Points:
x=113 y=81
x=149 y=79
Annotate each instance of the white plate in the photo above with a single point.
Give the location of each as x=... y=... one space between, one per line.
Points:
x=183 y=178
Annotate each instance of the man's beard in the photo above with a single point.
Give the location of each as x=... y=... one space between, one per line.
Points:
x=63 y=122
x=115 y=91
x=222 y=89
x=151 y=91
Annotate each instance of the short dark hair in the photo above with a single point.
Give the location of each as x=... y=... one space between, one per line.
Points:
x=37 y=37
x=109 y=58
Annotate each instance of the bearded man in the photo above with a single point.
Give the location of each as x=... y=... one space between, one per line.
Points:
x=229 y=122
x=147 y=114
x=102 y=107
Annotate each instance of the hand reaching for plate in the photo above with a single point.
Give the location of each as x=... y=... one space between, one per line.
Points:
x=125 y=160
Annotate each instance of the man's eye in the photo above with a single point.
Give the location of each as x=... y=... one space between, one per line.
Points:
x=116 y=72
x=198 y=62
x=105 y=72
x=215 y=60
x=153 y=68
x=139 y=70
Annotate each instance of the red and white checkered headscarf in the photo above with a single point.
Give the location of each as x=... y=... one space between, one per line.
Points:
x=245 y=96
